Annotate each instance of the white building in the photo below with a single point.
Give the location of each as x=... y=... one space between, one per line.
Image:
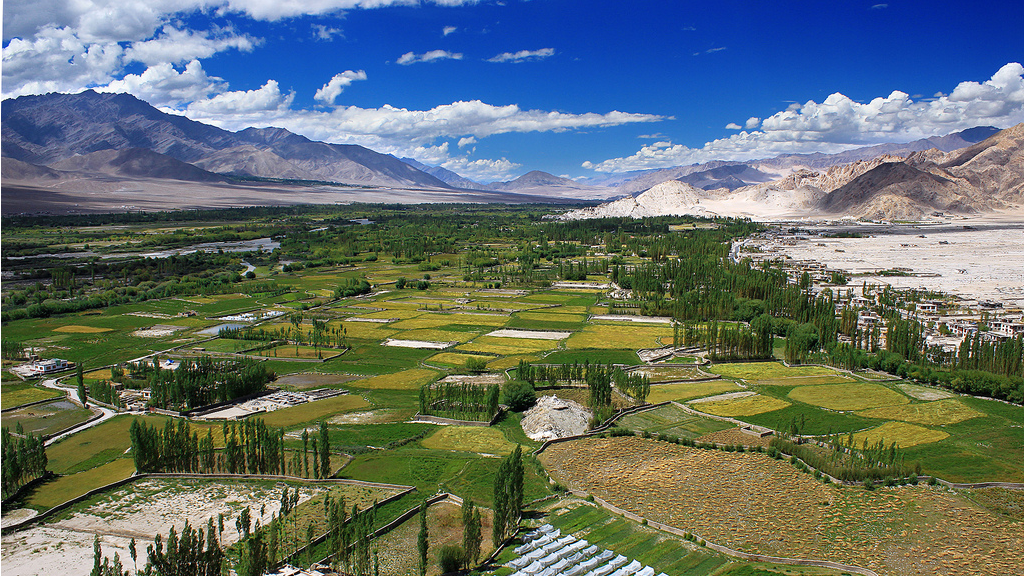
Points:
x=50 y=366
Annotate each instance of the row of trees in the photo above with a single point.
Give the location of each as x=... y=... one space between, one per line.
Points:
x=728 y=340
x=508 y=496
x=205 y=381
x=192 y=553
x=24 y=459
x=460 y=400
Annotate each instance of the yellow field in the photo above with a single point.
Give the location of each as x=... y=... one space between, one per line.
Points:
x=551 y=316
x=568 y=310
x=368 y=330
x=392 y=313
x=394 y=305
x=746 y=406
x=469 y=439
x=689 y=390
x=903 y=434
x=852 y=396
x=929 y=413
x=98 y=374
x=805 y=380
x=455 y=359
x=428 y=320
x=313 y=411
x=767 y=370
x=438 y=335
x=411 y=379
x=507 y=346
x=75 y=329
x=609 y=337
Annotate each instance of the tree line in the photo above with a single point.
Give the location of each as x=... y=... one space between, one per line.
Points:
x=460 y=400
x=24 y=458
x=202 y=381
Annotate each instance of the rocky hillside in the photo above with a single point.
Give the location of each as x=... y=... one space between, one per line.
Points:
x=982 y=177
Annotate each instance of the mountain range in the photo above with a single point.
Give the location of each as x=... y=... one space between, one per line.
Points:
x=983 y=177
x=102 y=151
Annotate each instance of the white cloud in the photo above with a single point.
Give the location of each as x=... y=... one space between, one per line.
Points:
x=162 y=85
x=448 y=30
x=752 y=123
x=129 y=20
x=523 y=55
x=263 y=101
x=57 y=60
x=840 y=123
x=330 y=91
x=467 y=141
x=483 y=169
x=432 y=56
x=322 y=32
x=173 y=46
x=733 y=126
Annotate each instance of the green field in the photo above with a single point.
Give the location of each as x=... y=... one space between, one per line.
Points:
x=903 y=434
x=19 y=393
x=45 y=419
x=313 y=411
x=935 y=413
x=60 y=490
x=672 y=421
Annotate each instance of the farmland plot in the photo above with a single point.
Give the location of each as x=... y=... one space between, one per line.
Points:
x=756 y=504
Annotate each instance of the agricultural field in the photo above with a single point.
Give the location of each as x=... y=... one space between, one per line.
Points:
x=689 y=390
x=746 y=501
x=481 y=440
x=848 y=397
x=397 y=551
x=741 y=406
x=672 y=420
x=603 y=336
x=141 y=509
x=754 y=371
x=19 y=393
x=47 y=419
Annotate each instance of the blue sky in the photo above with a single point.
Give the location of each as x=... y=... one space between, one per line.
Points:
x=493 y=89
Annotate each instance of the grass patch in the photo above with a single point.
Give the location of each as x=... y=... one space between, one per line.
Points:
x=746 y=406
x=469 y=439
x=60 y=490
x=901 y=433
x=411 y=379
x=689 y=390
x=19 y=393
x=312 y=411
x=43 y=419
x=929 y=413
x=852 y=396
x=510 y=361
x=767 y=370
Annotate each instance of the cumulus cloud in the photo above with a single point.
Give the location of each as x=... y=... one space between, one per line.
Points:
x=173 y=46
x=467 y=141
x=448 y=30
x=330 y=91
x=57 y=60
x=432 y=56
x=128 y=20
x=733 y=126
x=162 y=85
x=265 y=99
x=523 y=55
x=482 y=169
x=752 y=123
x=840 y=123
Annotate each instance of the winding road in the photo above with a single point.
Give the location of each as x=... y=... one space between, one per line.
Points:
x=107 y=412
